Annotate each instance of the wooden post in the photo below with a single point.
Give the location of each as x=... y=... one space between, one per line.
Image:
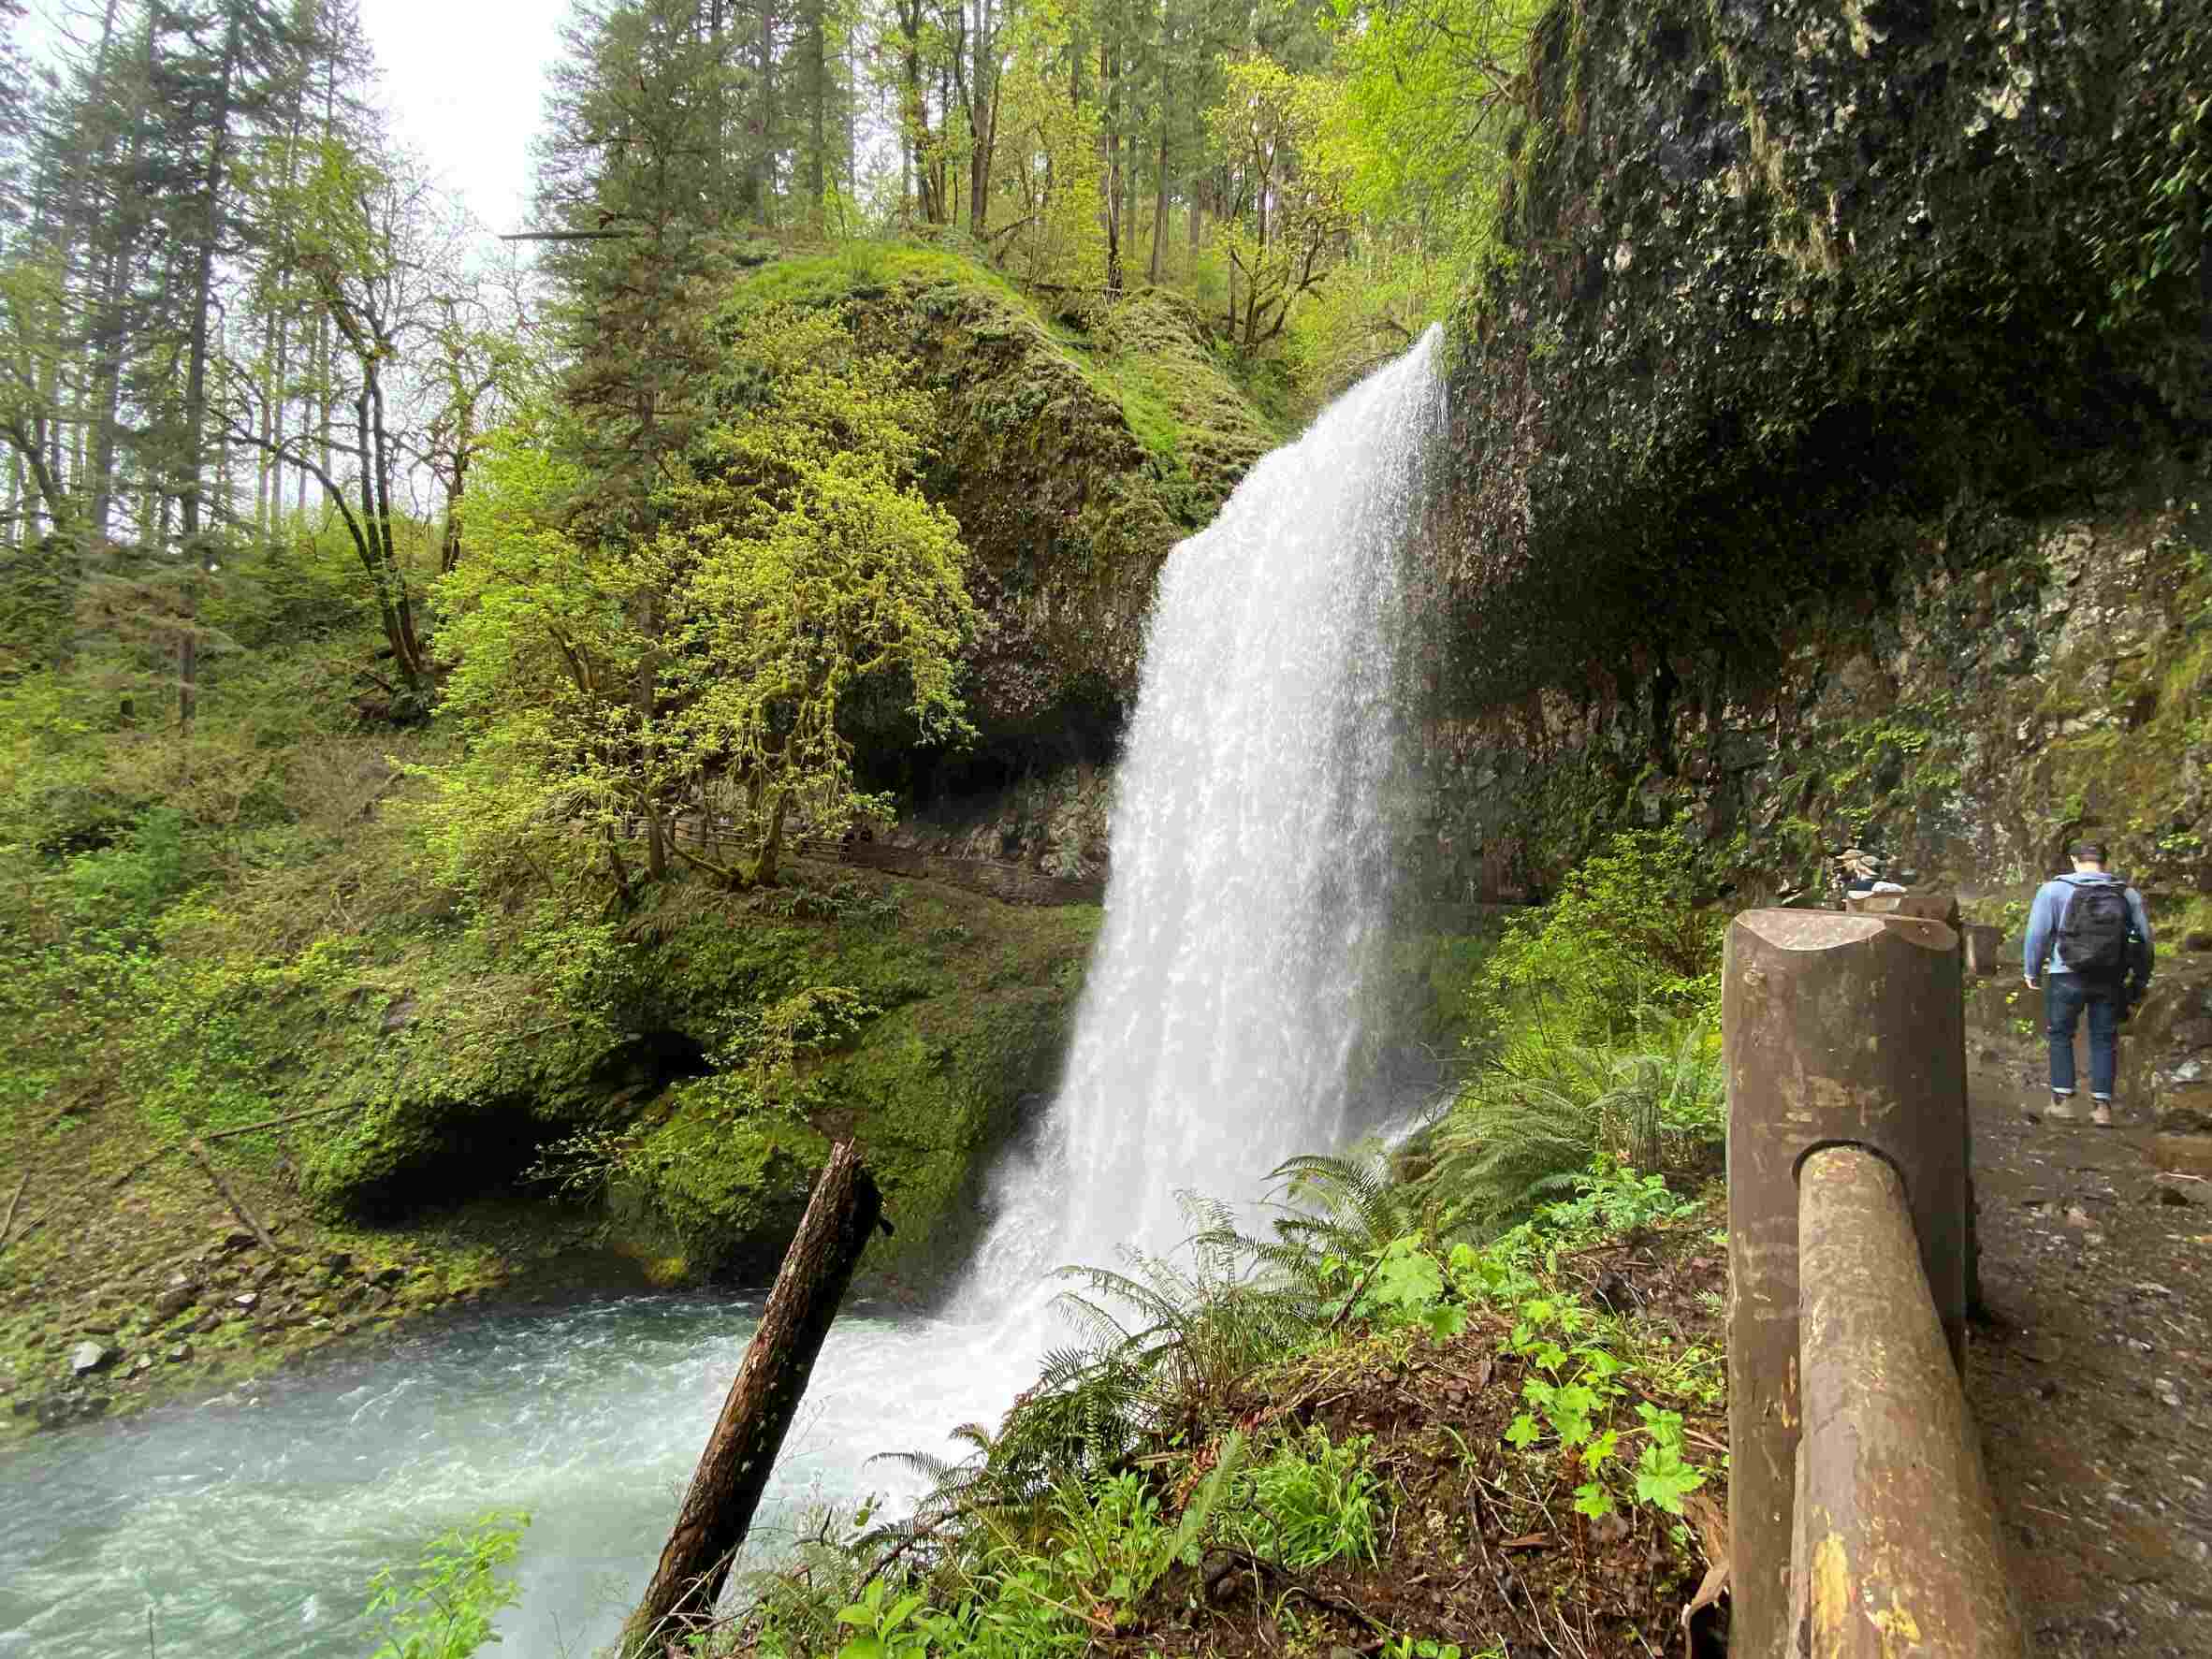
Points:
x=740 y=1455
x=1838 y=1029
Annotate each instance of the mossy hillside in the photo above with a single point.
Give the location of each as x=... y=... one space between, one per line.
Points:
x=976 y=1002
x=968 y=1002
x=1074 y=452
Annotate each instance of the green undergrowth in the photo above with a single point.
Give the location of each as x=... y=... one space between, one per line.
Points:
x=718 y=1057
x=235 y=935
x=1272 y=1443
x=1592 y=1030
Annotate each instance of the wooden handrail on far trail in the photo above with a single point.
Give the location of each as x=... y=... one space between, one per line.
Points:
x=1010 y=884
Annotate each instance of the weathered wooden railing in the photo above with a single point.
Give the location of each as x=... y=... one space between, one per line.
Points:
x=1012 y=883
x=1860 y=1521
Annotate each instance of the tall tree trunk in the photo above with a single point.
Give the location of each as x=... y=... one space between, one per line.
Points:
x=195 y=371
x=982 y=117
x=1110 y=182
x=771 y=1381
x=1159 y=204
x=817 y=108
x=762 y=169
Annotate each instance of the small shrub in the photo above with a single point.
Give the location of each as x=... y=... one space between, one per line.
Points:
x=444 y=1607
x=124 y=886
x=1313 y=1503
x=1626 y=939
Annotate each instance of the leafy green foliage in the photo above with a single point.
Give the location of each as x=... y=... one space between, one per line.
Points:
x=691 y=675
x=443 y=1605
x=1313 y=1503
x=1627 y=936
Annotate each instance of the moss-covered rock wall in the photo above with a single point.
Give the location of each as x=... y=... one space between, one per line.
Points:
x=1828 y=450
x=464 y=1069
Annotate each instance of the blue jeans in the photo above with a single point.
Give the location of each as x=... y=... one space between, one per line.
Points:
x=2065 y=995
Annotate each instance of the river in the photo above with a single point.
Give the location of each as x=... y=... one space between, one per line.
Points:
x=252 y=1528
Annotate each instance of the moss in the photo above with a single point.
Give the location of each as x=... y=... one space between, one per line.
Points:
x=969 y=1002
x=976 y=1000
x=1072 y=456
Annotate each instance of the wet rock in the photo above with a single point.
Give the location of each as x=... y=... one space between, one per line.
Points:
x=388 y=1278
x=206 y=1323
x=89 y=1357
x=2178 y=1189
x=181 y=1353
x=174 y=1301
x=235 y=1240
x=337 y=1261
x=141 y=1366
x=2167 y=1394
x=70 y=1405
x=2196 y=939
x=248 y=1300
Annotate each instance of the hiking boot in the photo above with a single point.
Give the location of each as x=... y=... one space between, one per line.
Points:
x=2100 y=1115
x=2061 y=1108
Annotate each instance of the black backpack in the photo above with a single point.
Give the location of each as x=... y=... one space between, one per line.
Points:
x=2093 y=937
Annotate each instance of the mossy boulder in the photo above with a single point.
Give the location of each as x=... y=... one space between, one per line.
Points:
x=960 y=1008
x=1075 y=449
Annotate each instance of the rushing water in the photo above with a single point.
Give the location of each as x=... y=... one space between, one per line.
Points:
x=251 y=1529
x=1217 y=1035
x=1252 y=845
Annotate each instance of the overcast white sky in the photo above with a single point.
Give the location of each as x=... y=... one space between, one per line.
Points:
x=463 y=81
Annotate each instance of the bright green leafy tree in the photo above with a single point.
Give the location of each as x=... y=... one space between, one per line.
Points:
x=683 y=686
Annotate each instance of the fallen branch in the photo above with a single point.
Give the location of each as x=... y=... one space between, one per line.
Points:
x=1357 y=1290
x=238 y=1206
x=919 y=1535
x=1294 y=1586
x=28 y=1230
x=8 y=1221
x=717 y=1509
x=271 y=1123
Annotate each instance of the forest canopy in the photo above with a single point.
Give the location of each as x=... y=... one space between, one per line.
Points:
x=271 y=404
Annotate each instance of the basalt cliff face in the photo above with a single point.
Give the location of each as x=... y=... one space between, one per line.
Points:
x=1828 y=445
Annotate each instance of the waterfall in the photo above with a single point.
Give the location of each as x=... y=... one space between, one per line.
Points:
x=1252 y=849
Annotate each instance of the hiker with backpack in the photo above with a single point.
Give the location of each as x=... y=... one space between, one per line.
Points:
x=2090 y=936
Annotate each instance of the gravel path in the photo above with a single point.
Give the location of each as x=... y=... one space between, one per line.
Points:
x=2092 y=1378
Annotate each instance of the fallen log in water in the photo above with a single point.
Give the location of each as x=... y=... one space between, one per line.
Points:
x=771 y=1381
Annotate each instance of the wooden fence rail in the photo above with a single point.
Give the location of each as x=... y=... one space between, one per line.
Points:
x=1010 y=884
x=1859 y=1518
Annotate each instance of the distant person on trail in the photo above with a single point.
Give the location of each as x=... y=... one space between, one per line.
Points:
x=2090 y=935
x=1861 y=872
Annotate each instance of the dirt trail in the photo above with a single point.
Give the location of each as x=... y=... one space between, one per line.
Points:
x=2092 y=1380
